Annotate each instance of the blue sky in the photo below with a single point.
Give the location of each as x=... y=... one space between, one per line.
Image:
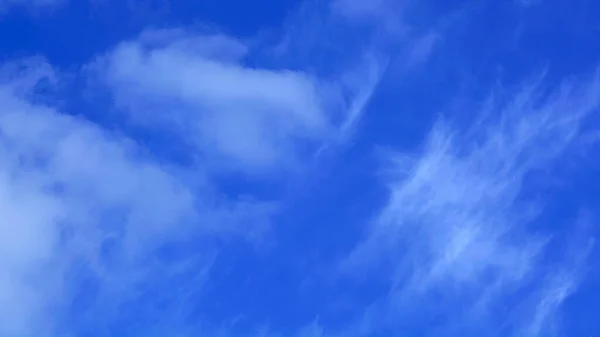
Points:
x=299 y=168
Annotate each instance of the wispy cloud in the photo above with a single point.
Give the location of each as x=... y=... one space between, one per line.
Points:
x=365 y=38
x=457 y=227
x=369 y=77
x=102 y=235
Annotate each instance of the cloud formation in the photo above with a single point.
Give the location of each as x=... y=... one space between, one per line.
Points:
x=95 y=208
x=199 y=88
x=458 y=230
x=107 y=231
x=61 y=178
x=79 y=199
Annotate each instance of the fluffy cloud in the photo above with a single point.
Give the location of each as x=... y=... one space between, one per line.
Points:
x=199 y=87
x=89 y=211
x=457 y=228
x=60 y=177
x=78 y=199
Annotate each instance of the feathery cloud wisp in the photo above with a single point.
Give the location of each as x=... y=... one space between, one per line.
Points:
x=457 y=228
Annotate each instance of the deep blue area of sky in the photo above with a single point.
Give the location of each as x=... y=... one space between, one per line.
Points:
x=72 y=34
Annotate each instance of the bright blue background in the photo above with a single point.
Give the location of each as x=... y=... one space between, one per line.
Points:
x=483 y=45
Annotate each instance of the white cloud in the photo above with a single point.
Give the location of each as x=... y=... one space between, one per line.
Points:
x=61 y=174
x=67 y=190
x=456 y=226
x=74 y=190
x=252 y=118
